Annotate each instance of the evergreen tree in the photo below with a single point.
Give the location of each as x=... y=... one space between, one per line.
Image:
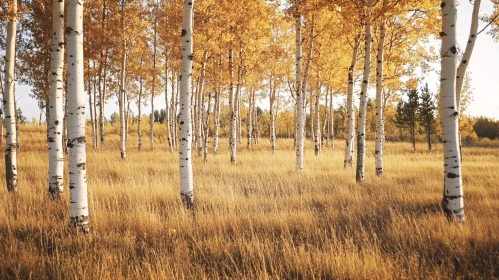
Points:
x=408 y=114
x=427 y=109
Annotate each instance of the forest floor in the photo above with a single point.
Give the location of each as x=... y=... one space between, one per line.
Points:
x=257 y=220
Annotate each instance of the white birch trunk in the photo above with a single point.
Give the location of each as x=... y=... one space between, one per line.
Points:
x=380 y=120
x=461 y=70
x=300 y=130
x=76 y=122
x=305 y=79
x=95 y=127
x=122 y=92
x=139 y=117
x=55 y=122
x=452 y=201
x=232 y=111
x=167 y=110
x=185 y=154
x=331 y=119
x=173 y=111
x=200 y=106
x=361 y=133
x=348 y=161
x=272 y=116
x=102 y=79
x=9 y=101
x=249 y=120
x=318 y=139
x=151 y=123
x=206 y=128
x=216 y=120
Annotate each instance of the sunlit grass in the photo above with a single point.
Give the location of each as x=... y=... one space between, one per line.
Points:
x=258 y=219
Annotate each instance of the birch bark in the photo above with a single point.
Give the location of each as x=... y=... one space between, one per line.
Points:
x=76 y=122
x=55 y=123
x=122 y=92
x=452 y=201
x=380 y=120
x=300 y=131
x=361 y=133
x=185 y=153
x=348 y=161
x=9 y=101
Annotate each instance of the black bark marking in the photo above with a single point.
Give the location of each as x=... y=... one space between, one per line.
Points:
x=442 y=5
x=452 y=175
x=443 y=34
x=78 y=140
x=81 y=165
x=453 y=50
x=184 y=32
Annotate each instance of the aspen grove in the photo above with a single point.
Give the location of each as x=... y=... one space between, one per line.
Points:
x=298 y=88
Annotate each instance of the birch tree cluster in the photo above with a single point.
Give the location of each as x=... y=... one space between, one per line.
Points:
x=217 y=64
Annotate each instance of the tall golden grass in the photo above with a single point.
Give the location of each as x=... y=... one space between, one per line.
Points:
x=257 y=220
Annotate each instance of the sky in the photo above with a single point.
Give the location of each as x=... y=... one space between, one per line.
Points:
x=485 y=78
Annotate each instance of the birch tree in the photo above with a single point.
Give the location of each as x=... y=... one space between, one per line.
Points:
x=232 y=110
x=300 y=130
x=452 y=201
x=9 y=100
x=185 y=154
x=122 y=92
x=461 y=70
x=76 y=134
x=348 y=161
x=55 y=123
x=380 y=121
x=361 y=132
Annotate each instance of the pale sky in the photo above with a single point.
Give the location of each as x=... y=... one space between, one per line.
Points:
x=485 y=80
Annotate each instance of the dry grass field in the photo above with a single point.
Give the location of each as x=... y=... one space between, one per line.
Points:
x=258 y=220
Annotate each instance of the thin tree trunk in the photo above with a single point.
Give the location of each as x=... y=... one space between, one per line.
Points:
x=300 y=135
x=249 y=120
x=173 y=112
x=380 y=120
x=348 y=161
x=200 y=105
x=255 y=118
x=361 y=133
x=318 y=120
x=326 y=119
x=76 y=140
x=95 y=129
x=305 y=78
x=167 y=110
x=452 y=201
x=151 y=123
x=331 y=119
x=55 y=121
x=232 y=110
x=176 y=107
x=139 y=117
x=239 y=119
x=90 y=101
x=207 y=127
x=216 y=120
x=9 y=100
x=272 y=98
x=186 y=180
x=65 y=124
x=428 y=138
x=102 y=79
x=465 y=60
x=122 y=92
